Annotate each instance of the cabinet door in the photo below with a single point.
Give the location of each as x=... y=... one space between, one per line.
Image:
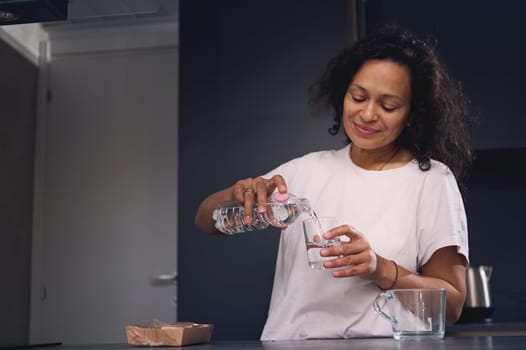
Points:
x=17 y=120
x=107 y=207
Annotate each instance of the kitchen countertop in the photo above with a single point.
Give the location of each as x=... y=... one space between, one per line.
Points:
x=448 y=343
x=488 y=329
x=479 y=336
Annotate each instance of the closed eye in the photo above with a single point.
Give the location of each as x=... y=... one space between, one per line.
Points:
x=389 y=109
x=358 y=99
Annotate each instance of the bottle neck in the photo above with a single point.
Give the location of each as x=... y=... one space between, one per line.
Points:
x=304 y=205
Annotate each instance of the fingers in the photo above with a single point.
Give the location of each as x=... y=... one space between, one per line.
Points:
x=253 y=192
x=350 y=271
x=244 y=193
x=343 y=230
x=262 y=190
x=249 y=203
x=354 y=246
x=241 y=188
x=352 y=258
x=359 y=243
x=265 y=187
x=362 y=264
x=279 y=183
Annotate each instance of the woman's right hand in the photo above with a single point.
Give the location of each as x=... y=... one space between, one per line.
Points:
x=254 y=192
x=249 y=192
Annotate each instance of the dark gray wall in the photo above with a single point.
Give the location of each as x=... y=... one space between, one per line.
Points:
x=18 y=99
x=244 y=73
x=495 y=205
x=245 y=68
x=482 y=41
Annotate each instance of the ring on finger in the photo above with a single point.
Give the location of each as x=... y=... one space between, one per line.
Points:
x=248 y=190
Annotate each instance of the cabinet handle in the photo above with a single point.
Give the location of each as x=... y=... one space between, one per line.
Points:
x=164 y=280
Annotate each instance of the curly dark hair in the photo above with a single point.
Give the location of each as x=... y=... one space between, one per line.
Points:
x=439 y=114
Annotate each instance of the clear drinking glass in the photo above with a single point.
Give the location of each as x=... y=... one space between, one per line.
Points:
x=313 y=230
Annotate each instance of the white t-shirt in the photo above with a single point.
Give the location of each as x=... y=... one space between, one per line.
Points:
x=406 y=215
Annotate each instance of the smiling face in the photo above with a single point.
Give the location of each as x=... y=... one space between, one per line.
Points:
x=376 y=105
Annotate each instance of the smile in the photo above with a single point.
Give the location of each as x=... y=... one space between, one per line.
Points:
x=365 y=130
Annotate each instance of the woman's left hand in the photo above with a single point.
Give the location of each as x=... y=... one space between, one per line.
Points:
x=354 y=257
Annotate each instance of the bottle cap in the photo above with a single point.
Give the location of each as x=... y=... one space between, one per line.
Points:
x=281 y=197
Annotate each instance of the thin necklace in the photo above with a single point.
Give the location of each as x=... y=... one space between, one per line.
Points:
x=390 y=158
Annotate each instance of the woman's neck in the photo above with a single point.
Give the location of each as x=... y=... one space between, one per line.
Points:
x=384 y=158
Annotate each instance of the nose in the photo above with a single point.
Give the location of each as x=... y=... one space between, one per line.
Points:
x=369 y=112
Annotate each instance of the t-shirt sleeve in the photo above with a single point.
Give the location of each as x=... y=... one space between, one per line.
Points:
x=442 y=218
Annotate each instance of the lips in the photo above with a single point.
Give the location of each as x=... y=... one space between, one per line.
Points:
x=365 y=130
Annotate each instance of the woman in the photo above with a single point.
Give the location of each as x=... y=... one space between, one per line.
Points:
x=394 y=188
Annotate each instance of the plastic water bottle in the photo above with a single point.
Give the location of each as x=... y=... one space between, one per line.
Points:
x=282 y=210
